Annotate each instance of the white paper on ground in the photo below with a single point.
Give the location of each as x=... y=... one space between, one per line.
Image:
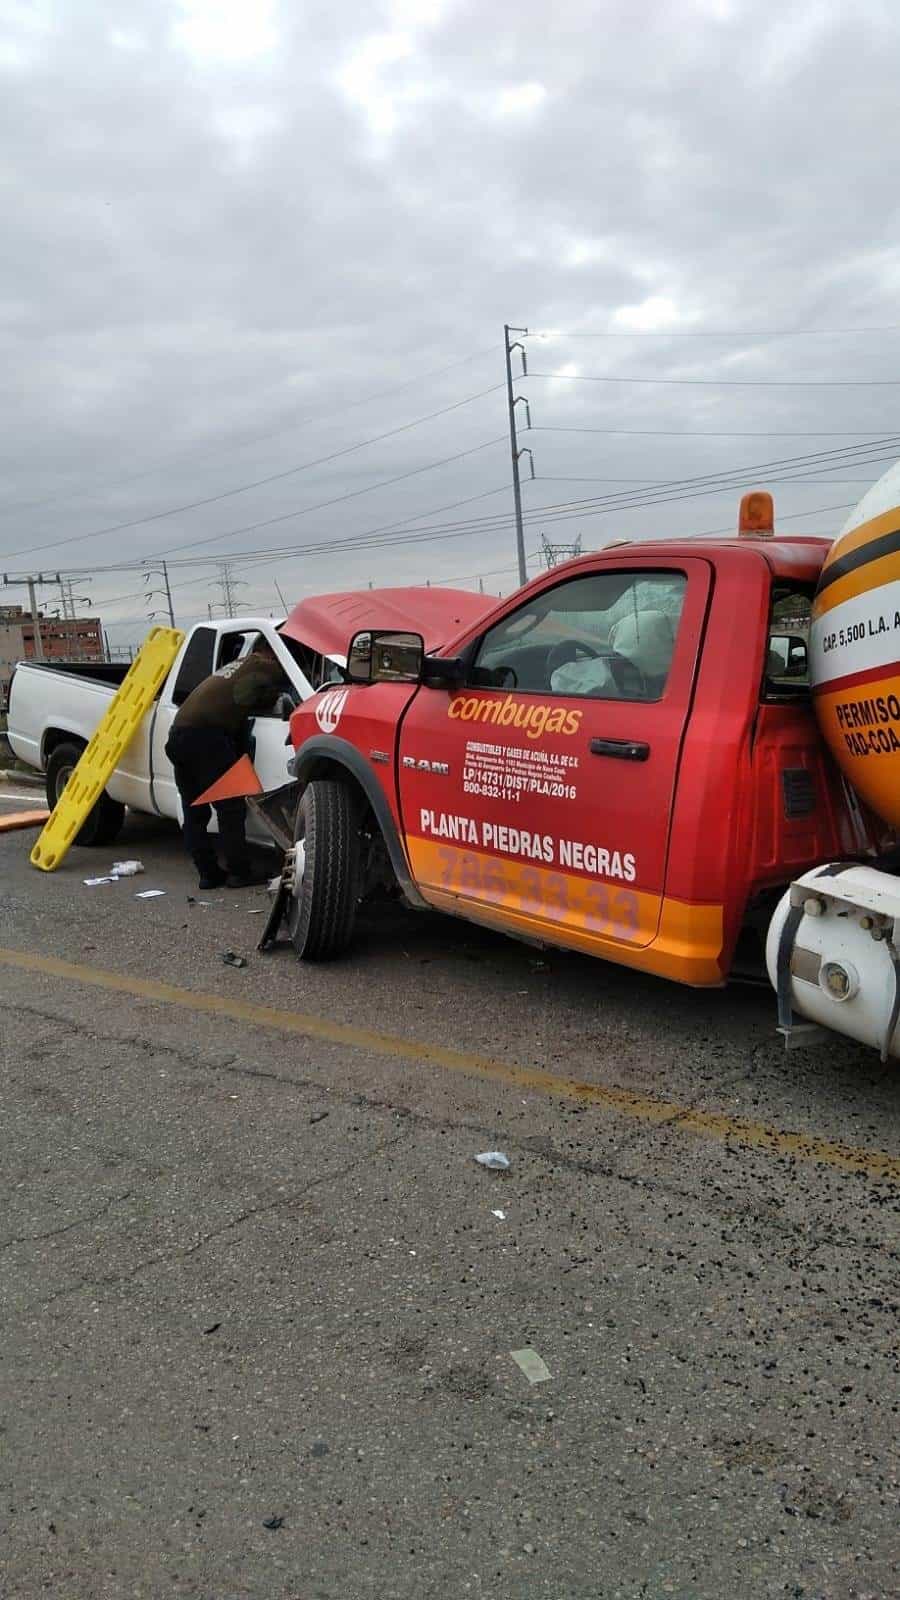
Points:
x=531 y=1364
x=149 y=894
x=494 y=1159
x=92 y=881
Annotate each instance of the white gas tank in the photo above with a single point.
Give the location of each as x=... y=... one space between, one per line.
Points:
x=832 y=957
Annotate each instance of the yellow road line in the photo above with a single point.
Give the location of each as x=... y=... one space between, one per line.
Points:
x=877 y=1165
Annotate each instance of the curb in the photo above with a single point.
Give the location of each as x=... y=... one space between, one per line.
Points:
x=26 y=779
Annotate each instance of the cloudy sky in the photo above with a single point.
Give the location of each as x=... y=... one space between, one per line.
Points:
x=258 y=256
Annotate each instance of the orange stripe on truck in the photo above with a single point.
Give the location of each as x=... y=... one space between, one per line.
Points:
x=672 y=938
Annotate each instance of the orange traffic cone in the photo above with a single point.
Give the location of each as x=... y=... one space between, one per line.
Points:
x=235 y=784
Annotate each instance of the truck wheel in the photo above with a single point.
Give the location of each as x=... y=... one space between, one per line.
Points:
x=104 y=823
x=322 y=910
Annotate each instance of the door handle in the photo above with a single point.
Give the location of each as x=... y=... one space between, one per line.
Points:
x=621 y=749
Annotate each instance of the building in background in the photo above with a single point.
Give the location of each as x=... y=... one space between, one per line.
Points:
x=62 y=639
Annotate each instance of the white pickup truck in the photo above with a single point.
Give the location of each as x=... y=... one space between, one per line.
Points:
x=53 y=710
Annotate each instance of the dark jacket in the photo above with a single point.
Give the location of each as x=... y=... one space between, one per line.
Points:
x=229 y=702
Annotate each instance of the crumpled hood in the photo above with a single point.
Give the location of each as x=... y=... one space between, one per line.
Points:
x=327 y=622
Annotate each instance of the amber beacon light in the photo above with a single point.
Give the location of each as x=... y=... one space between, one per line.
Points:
x=756 y=519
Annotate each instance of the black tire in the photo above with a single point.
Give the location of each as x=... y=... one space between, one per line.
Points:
x=104 y=823
x=322 y=909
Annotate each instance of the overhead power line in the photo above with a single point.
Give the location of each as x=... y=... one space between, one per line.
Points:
x=728 y=383
x=706 y=533
x=716 y=433
x=791 y=469
x=712 y=333
x=844 y=455
x=567 y=511
x=261 y=438
x=802 y=468
x=555 y=477
x=244 y=488
x=543 y=516
x=703 y=534
x=354 y=494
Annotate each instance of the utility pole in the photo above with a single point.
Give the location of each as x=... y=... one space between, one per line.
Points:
x=161 y=571
x=512 y=401
x=36 y=621
x=29 y=581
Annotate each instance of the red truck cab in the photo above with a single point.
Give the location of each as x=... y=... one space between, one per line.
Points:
x=616 y=759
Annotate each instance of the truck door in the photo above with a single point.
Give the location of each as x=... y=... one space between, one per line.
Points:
x=538 y=796
x=193 y=665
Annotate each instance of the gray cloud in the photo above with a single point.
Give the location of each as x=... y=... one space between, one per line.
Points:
x=222 y=235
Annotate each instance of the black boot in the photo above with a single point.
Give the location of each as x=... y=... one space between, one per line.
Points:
x=212 y=876
x=247 y=877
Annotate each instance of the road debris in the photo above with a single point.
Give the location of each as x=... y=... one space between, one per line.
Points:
x=231 y=960
x=318 y=1116
x=273 y=1522
x=500 y=1214
x=529 y=1362
x=127 y=869
x=91 y=883
x=494 y=1159
x=149 y=894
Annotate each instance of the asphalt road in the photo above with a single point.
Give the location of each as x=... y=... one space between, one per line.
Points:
x=258 y=1303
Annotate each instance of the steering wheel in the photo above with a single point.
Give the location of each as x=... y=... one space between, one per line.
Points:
x=499 y=677
x=569 y=650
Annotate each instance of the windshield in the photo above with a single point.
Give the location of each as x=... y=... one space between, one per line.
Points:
x=316 y=668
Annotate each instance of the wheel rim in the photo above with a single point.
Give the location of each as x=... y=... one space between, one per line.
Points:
x=62 y=779
x=293 y=909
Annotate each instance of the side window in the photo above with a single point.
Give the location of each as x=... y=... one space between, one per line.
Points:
x=233 y=647
x=786 y=669
x=230 y=645
x=196 y=664
x=607 y=636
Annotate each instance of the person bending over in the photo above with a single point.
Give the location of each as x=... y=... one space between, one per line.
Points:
x=208 y=735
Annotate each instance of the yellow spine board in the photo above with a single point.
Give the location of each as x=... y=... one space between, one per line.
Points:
x=108 y=744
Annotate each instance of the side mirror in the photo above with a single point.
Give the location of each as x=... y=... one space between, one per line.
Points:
x=376 y=657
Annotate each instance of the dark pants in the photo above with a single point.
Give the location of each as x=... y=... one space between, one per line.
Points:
x=200 y=756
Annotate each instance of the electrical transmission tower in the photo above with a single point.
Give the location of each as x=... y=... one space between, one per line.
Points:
x=70 y=603
x=228 y=585
x=553 y=554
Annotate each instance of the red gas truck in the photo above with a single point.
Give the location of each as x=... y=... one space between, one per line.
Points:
x=652 y=754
